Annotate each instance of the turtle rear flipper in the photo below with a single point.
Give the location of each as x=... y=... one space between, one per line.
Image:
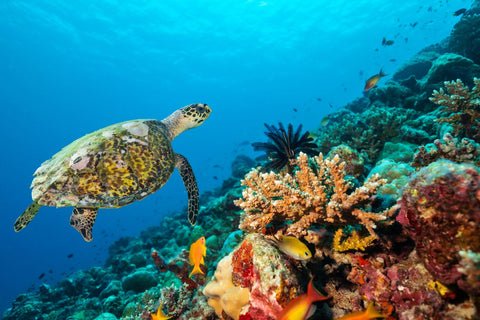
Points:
x=190 y=183
x=27 y=216
x=83 y=219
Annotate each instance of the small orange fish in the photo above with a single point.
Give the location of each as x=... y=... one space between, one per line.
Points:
x=198 y=250
x=301 y=307
x=160 y=315
x=373 y=80
x=370 y=313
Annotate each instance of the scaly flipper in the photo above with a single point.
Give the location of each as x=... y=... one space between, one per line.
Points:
x=27 y=216
x=83 y=219
x=190 y=183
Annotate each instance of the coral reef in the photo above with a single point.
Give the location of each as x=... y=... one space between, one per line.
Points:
x=422 y=262
x=354 y=163
x=449 y=148
x=353 y=242
x=396 y=176
x=441 y=209
x=368 y=131
x=465 y=37
x=310 y=196
x=256 y=267
x=450 y=66
x=132 y=282
x=462 y=106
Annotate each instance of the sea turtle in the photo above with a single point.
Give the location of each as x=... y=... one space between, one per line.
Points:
x=115 y=166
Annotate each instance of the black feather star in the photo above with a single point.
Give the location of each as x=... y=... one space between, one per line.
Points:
x=283 y=147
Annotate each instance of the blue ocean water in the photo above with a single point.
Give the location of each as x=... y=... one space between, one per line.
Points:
x=71 y=67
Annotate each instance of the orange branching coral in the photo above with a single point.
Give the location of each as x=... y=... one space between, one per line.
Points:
x=316 y=193
x=463 y=106
x=353 y=242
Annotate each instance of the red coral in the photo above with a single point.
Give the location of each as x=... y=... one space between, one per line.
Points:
x=245 y=317
x=242 y=262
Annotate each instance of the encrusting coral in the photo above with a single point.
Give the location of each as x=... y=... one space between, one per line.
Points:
x=449 y=148
x=353 y=242
x=463 y=106
x=316 y=193
x=440 y=208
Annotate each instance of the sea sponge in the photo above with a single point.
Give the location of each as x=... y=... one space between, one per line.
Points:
x=223 y=294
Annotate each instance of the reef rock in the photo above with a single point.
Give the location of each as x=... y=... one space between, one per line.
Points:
x=416 y=66
x=106 y=316
x=139 y=281
x=450 y=67
x=255 y=281
x=465 y=37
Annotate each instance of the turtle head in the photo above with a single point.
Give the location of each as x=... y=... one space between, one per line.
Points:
x=188 y=117
x=195 y=114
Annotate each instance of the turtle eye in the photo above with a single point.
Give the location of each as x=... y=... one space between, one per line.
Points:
x=200 y=109
x=306 y=254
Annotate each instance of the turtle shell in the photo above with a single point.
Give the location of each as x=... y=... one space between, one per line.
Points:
x=108 y=168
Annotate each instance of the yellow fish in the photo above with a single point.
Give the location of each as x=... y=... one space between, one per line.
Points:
x=370 y=313
x=293 y=247
x=160 y=315
x=198 y=250
x=301 y=307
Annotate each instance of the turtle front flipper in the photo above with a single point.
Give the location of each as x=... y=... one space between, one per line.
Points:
x=27 y=216
x=190 y=183
x=83 y=219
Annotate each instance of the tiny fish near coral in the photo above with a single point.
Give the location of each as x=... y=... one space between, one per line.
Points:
x=293 y=247
x=370 y=313
x=160 y=315
x=198 y=250
x=373 y=80
x=301 y=307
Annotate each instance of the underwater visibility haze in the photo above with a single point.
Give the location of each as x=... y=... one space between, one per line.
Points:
x=366 y=79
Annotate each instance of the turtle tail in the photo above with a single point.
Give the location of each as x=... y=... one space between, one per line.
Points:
x=27 y=216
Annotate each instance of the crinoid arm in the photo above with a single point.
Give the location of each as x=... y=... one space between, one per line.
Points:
x=284 y=145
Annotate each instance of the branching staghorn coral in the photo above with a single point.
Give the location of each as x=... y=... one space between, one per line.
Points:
x=309 y=196
x=463 y=106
